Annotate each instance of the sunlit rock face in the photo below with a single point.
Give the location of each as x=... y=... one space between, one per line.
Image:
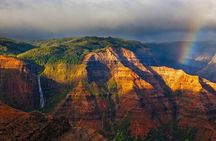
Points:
x=195 y=100
x=60 y=72
x=18 y=84
x=114 y=82
x=107 y=79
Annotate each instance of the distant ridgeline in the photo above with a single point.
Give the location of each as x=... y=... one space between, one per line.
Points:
x=12 y=47
x=72 y=50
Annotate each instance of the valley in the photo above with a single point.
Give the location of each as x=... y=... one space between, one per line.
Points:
x=104 y=88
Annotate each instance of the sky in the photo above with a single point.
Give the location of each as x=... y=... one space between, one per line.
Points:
x=146 y=20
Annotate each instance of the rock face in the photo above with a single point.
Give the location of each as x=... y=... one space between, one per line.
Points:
x=60 y=72
x=201 y=61
x=109 y=79
x=209 y=70
x=18 y=84
x=21 y=126
x=114 y=82
x=82 y=134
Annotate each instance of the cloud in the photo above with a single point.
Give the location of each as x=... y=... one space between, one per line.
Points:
x=142 y=19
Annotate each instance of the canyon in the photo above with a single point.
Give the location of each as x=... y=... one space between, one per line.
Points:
x=140 y=91
x=92 y=84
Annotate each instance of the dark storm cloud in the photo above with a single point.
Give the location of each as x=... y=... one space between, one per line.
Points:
x=139 y=19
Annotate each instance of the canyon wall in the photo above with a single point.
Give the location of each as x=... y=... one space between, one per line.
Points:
x=18 y=84
x=114 y=83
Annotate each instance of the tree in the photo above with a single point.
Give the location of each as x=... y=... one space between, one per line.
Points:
x=123 y=130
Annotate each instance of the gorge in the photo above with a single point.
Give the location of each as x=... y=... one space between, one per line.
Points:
x=100 y=88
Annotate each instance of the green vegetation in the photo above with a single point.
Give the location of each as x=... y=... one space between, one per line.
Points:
x=93 y=89
x=12 y=47
x=72 y=50
x=69 y=51
x=166 y=132
x=53 y=101
x=122 y=130
x=170 y=132
x=66 y=50
x=112 y=85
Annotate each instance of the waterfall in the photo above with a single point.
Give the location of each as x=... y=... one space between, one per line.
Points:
x=42 y=99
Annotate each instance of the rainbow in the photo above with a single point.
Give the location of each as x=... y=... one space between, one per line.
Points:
x=188 y=46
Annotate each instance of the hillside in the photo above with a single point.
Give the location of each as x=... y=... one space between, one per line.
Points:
x=106 y=89
x=22 y=126
x=113 y=82
x=12 y=47
x=209 y=70
x=74 y=49
x=61 y=58
x=199 y=54
x=18 y=83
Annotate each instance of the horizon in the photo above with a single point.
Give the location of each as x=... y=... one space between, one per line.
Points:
x=118 y=37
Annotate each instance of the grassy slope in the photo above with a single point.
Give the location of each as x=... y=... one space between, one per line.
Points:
x=72 y=50
x=12 y=47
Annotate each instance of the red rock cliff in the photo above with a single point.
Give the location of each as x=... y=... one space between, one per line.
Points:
x=18 y=85
x=113 y=82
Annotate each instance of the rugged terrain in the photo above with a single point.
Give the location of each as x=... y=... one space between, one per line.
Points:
x=12 y=47
x=18 y=83
x=199 y=61
x=115 y=83
x=103 y=89
x=21 y=126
